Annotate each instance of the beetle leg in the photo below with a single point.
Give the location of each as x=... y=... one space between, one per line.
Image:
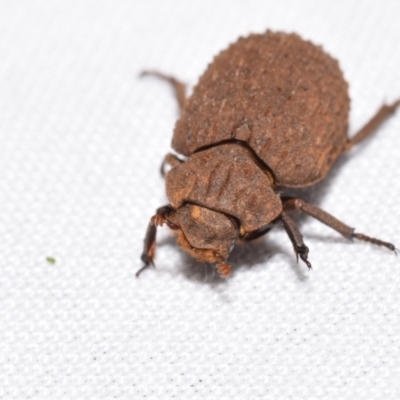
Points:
x=149 y=248
x=290 y=204
x=150 y=239
x=296 y=238
x=170 y=159
x=370 y=127
x=179 y=87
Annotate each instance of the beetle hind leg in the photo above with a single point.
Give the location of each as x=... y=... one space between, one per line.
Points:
x=179 y=87
x=372 y=125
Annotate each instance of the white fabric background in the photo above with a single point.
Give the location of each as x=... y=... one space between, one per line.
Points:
x=81 y=141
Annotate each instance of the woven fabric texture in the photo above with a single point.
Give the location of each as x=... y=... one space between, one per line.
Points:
x=81 y=142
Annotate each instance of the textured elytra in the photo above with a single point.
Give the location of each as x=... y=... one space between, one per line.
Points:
x=282 y=95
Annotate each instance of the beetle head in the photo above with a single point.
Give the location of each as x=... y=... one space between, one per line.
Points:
x=205 y=234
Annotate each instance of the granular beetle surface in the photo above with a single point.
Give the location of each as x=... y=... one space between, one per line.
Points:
x=269 y=113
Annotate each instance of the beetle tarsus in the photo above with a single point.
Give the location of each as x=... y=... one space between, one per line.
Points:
x=378 y=242
x=151 y=263
x=147 y=258
x=302 y=252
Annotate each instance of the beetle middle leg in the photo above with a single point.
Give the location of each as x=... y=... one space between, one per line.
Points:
x=370 y=127
x=291 y=204
x=179 y=87
x=169 y=159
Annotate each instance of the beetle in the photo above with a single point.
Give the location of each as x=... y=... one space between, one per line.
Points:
x=269 y=113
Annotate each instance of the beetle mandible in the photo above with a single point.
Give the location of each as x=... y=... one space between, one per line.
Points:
x=270 y=112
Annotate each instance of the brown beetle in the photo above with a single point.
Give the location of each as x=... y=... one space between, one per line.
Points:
x=269 y=113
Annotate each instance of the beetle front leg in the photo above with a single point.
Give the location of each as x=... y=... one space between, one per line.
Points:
x=149 y=248
x=300 y=249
